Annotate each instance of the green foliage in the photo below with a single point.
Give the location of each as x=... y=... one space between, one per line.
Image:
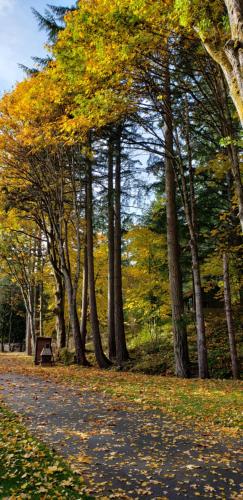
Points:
x=146 y=276
x=66 y=357
x=206 y=16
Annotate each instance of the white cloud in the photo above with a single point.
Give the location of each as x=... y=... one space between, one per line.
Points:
x=6 y=6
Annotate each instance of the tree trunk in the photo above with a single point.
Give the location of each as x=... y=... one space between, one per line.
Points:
x=74 y=321
x=200 y=323
x=32 y=317
x=111 y=288
x=84 y=307
x=41 y=308
x=121 y=348
x=101 y=359
x=182 y=368
x=84 y=311
x=10 y=330
x=59 y=294
x=230 y=56
x=235 y=168
x=189 y=204
x=229 y=318
x=234 y=48
x=2 y=342
x=60 y=312
x=10 y=323
x=232 y=150
x=39 y=288
x=28 y=343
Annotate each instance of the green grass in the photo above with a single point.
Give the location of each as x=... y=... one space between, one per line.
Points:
x=28 y=469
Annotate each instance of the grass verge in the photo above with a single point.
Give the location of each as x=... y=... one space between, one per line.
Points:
x=28 y=469
x=213 y=405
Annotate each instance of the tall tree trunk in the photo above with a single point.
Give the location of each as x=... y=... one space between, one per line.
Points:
x=84 y=311
x=36 y=316
x=111 y=288
x=10 y=322
x=10 y=330
x=200 y=322
x=32 y=315
x=28 y=343
x=189 y=204
x=182 y=368
x=101 y=359
x=235 y=168
x=74 y=322
x=41 y=308
x=71 y=289
x=229 y=318
x=39 y=287
x=60 y=292
x=121 y=347
x=84 y=307
x=60 y=311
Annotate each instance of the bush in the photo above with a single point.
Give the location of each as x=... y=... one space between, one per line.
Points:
x=66 y=357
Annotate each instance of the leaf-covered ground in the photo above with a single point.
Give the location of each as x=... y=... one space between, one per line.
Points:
x=121 y=450
x=213 y=404
x=123 y=446
x=28 y=469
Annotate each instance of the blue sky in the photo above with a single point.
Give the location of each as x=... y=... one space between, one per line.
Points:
x=20 y=37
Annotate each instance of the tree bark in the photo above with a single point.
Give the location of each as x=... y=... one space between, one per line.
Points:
x=10 y=323
x=189 y=204
x=200 y=322
x=179 y=328
x=235 y=168
x=2 y=342
x=60 y=311
x=230 y=56
x=229 y=318
x=41 y=288
x=84 y=312
x=232 y=150
x=121 y=347
x=111 y=287
x=84 y=307
x=28 y=343
x=60 y=290
x=101 y=359
x=32 y=318
x=74 y=322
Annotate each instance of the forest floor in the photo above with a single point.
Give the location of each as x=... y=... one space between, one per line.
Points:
x=110 y=429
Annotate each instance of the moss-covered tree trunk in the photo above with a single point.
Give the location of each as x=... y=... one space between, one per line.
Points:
x=230 y=55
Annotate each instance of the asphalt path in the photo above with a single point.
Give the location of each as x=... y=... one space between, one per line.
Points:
x=121 y=450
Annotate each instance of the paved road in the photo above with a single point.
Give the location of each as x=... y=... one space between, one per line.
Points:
x=121 y=450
